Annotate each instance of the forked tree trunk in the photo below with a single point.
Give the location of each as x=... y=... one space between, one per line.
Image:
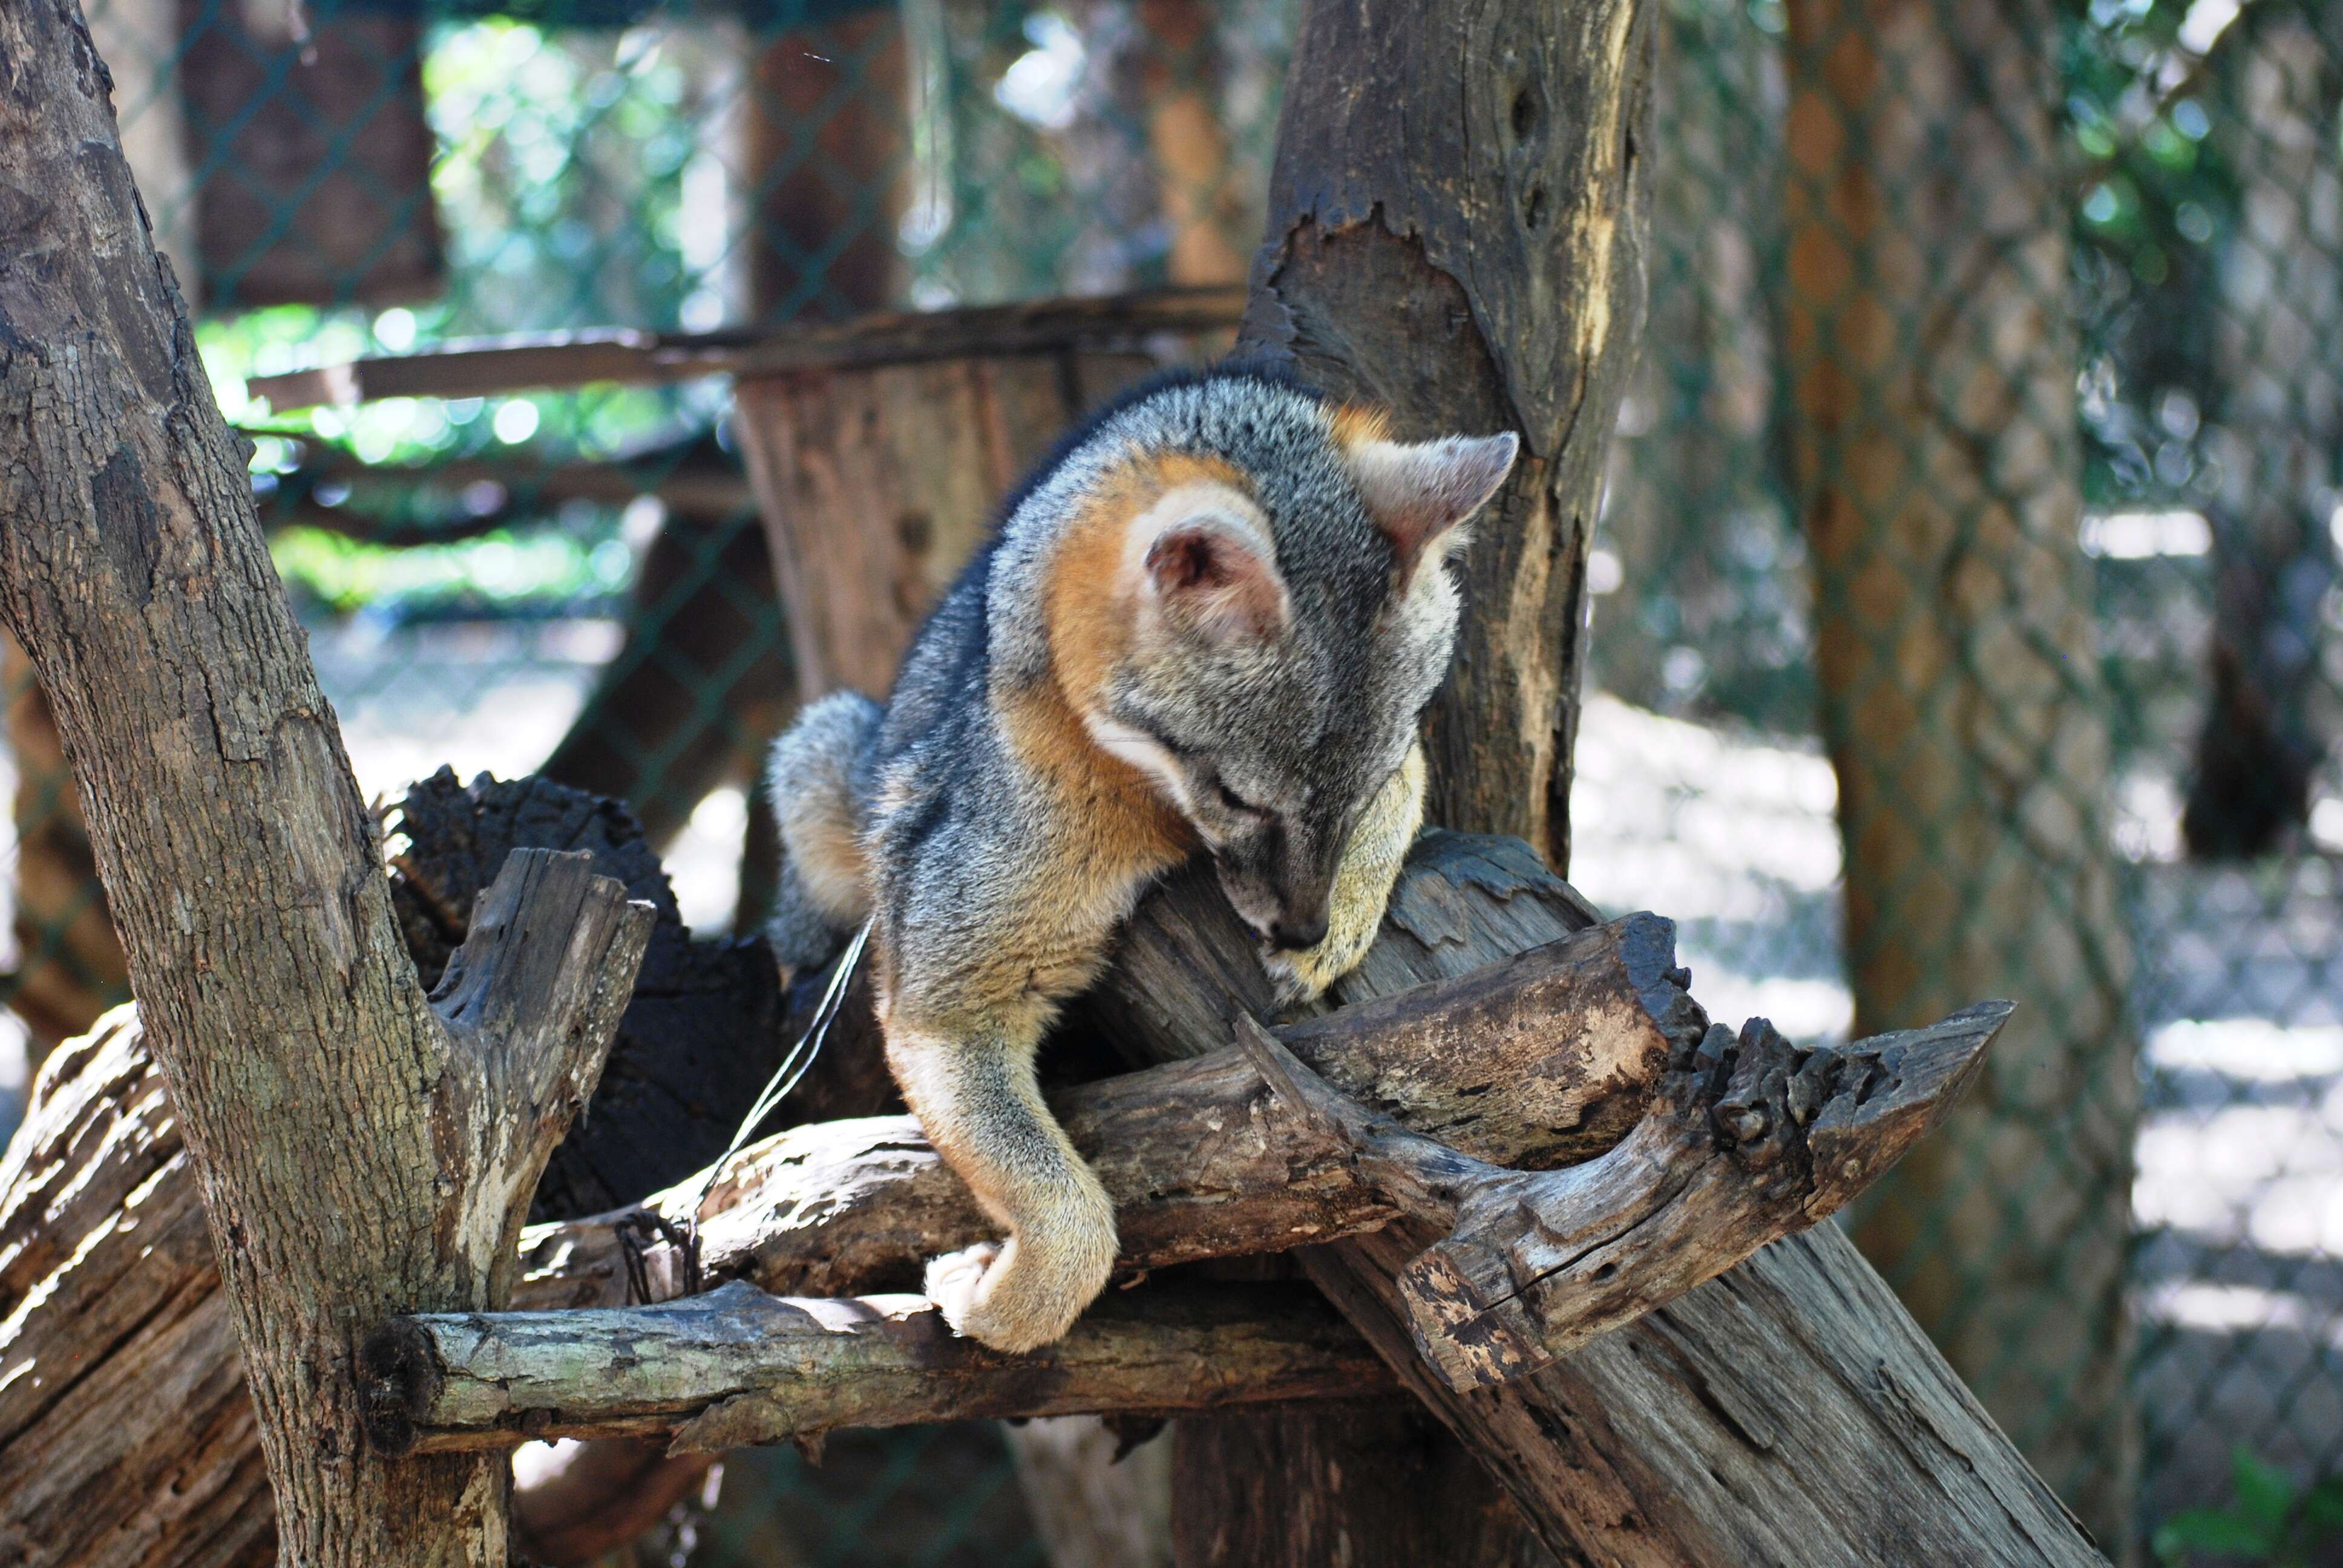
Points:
x=1936 y=445
x=1456 y=229
x=2276 y=418
x=358 y=1149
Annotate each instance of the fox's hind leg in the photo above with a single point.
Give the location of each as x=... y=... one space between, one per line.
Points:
x=825 y=889
x=1362 y=885
x=975 y=1095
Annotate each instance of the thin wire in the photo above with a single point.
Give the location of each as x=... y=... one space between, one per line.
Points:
x=785 y=1078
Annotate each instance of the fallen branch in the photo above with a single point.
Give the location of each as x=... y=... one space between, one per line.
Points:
x=1789 y=1411
x=738 y=1366
x=1750 y=1140
x=106 y=1277
x=493 y=366
x=1555 y=1053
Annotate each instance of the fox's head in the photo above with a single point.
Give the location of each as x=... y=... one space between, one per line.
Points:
x=1251 y=604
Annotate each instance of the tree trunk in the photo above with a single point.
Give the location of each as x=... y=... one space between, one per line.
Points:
x=357 y=1149
x=1936 y=446
x=825 y=136
x=701 y=685
x=1695 y=490
x=1456 y=230
x=2275 y=427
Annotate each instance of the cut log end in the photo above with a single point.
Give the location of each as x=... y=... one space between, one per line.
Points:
x=398 y=1374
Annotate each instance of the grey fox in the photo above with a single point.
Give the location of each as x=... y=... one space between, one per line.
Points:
x=1211 y=621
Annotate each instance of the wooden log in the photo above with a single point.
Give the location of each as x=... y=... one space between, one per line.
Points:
x=737 y=1366
x=824 y=142
x=1457 y=218
x=483 y=368
x=311 y=155
x=108 y=1296
x=1549 y=1056
x=69 y=964
x=1788 y=1411
x=1747 y=1141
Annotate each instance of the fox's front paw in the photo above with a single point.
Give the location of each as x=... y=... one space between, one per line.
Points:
x=1017 y=1298
x=1303 y=976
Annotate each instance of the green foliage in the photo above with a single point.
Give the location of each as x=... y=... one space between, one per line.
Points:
x=2271 y=1518
x=2154 y=199
x=502 y=572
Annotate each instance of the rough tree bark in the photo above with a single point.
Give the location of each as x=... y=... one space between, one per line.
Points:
x=1789 y=1412
x=315 y=1080
x=1457 y=219
x=1745 y=1140
x=1936 y=452
x=1202 y=1155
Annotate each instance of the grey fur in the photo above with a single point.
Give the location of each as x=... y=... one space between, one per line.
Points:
x=1281 y=745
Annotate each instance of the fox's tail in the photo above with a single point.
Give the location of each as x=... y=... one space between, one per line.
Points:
x=825 y=889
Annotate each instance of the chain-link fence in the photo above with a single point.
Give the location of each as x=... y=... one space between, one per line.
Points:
x=1967 y=607
x=1989 y=417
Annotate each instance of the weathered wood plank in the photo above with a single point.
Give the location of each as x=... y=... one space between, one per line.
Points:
x=635 y=357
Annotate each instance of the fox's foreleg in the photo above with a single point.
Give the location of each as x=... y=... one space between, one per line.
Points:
x=971 y=1083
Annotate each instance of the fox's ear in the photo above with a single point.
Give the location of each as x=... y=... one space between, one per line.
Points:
x=1209 y=578
x=1417 y=491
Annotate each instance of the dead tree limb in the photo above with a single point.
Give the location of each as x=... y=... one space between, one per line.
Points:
x=1747 y=1141
x=108 y=1293
x=1787 y=1412
x=737 y=1366
x=1557 y=1052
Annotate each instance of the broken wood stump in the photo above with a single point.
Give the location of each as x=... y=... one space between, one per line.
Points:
x=1723 y=1428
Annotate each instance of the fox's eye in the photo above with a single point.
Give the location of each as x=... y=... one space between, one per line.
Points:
x=1235 y=801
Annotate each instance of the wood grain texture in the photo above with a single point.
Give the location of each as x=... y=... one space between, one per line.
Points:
x=1560 y=1049
x=1457 y=228
x=1786 y=1413
x=843 y=1209
x=737 y=1366
x=1456 y=231
x=1748 y=1140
